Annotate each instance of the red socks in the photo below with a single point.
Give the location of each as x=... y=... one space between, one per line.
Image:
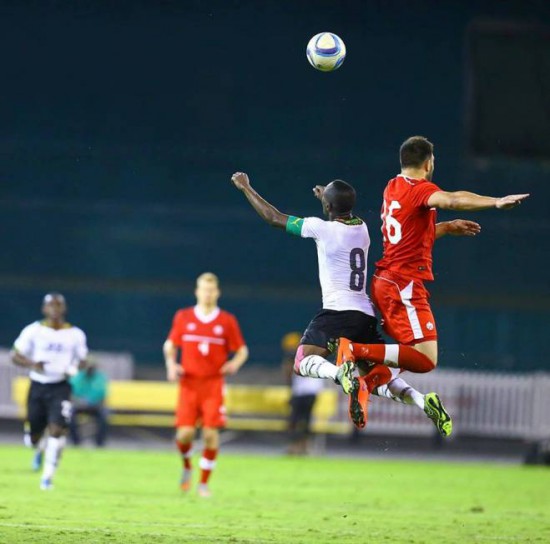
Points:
x=394 y=355
x=185 y=450
x=207 y=464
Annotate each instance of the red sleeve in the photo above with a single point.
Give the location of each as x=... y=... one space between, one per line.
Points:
x=175 y=331
x=422 y=192
x=235 y=338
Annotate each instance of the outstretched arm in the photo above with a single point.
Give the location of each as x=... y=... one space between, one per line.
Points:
x=264 y=209
x=463 y=200
x=458 y=227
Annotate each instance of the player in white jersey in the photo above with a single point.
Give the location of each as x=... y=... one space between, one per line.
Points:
x=342 y=247
x=52 y=350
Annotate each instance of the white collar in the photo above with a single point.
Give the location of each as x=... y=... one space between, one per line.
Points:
x=409 y=180
x=206 y=318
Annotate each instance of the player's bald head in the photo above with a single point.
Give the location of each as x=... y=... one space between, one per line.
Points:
x=339 y=197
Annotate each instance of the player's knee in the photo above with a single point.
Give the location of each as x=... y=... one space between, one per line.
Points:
x=429 y=350
x=433 y=359
x=56 y=431
x=211 y=437
x=298 y=358
x=185 y=434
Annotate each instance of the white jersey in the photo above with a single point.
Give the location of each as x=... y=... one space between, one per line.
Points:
x=60 y=350
x=342 y=252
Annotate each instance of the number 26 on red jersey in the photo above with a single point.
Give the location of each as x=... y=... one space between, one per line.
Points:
x=391 y=227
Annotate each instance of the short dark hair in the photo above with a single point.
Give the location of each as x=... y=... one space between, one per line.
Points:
x=414 y=151
x=341 y=196
x=54 y=295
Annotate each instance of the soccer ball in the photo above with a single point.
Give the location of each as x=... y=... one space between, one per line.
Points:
x=326 y=52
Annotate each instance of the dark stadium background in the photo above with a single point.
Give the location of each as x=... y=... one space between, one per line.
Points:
x=122 y=122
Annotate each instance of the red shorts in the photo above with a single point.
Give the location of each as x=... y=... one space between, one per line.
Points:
x=201 y=402
x=404 y=307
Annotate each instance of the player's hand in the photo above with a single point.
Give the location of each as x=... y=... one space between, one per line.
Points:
x=71 y=371
x=510 y=201
x=462 y=227
x=318 y=191
x=229 y=369
x=38 y=367
x=240 y=180
x=173 y=372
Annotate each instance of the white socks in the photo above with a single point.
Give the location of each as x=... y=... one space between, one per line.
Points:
x=400 y=391
x=54 y=448
x=316 y=366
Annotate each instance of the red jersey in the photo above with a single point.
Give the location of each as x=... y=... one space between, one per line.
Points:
x=408 y=227
x=205 y=341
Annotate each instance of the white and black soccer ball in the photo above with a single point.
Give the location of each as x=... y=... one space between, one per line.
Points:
x=326 y=52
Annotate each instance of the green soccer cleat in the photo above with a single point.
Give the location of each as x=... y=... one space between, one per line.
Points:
x=436 y=412
x=344 y=377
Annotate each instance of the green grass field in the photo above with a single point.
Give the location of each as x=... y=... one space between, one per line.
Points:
x=133 y=497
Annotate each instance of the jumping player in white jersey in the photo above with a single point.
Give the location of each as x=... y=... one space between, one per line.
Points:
x=342 y=247
x=52 y=350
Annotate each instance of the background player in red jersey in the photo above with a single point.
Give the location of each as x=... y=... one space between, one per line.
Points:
x=206 y=337
x=409 y=229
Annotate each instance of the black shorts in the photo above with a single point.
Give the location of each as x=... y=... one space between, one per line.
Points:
x=329 y=325
x=301 y=408
x=48 y=403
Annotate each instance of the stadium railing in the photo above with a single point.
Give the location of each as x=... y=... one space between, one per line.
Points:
x=485 y=404
x=249 y=408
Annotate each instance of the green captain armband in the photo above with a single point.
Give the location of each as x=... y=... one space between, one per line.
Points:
x=294 y=225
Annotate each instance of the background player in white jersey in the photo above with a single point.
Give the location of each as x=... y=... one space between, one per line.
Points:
x=52 y=350
x=304 y=392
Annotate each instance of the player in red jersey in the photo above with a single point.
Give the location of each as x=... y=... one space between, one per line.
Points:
x=206 y=337
x=409 y=230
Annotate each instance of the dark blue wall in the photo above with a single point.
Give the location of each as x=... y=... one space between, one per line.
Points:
x=122 y=123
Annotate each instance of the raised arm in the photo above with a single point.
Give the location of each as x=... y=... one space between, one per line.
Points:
x=264 y=209
x=465 y=201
